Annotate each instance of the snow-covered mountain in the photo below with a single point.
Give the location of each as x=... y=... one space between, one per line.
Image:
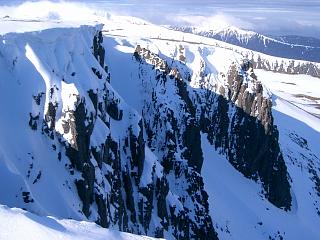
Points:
x=294 y=47
x=152 y=131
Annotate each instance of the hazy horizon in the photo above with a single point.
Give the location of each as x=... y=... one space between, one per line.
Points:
x=284 y=17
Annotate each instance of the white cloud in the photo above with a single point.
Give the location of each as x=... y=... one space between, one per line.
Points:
x=271 y=17
x=47 y=10
x=219 y=20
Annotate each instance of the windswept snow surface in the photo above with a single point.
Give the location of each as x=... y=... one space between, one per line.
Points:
x=31 y=64
x=299 y=90
x=19 y=224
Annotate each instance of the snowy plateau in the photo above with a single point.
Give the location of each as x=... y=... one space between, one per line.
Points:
x=112 y=127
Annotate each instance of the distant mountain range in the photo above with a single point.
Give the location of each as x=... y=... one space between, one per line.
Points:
x=294 y=47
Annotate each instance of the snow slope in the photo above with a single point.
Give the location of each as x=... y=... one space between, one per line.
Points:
x=18 y=224
x=300 y=90
x=28 y=160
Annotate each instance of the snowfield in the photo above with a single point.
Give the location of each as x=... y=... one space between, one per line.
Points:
x=54 y=49
x=300 y=90
x=18 y=224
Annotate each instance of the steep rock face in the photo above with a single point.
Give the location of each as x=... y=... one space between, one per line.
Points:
x=111 y=165
x=288 y=66
x=237 y=120
x=241 y=126
x=173 y=134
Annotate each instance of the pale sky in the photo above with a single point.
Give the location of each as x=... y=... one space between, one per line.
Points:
x=278 y=17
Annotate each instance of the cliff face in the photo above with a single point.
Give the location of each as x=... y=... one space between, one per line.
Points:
x=286 y=66
x=241 y=126
x=174 y=135
x=237 y=119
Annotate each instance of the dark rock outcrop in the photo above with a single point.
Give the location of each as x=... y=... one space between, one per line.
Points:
x=241 y=125
x=286 y=66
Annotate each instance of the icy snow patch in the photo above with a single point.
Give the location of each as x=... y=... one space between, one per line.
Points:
x=151 y=162
x=100 y=133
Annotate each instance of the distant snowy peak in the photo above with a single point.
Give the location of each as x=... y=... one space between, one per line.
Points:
x=225 y=32
x=293 y=47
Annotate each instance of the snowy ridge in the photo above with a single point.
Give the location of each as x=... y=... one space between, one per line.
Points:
x=244 y=36
x=281 y=64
